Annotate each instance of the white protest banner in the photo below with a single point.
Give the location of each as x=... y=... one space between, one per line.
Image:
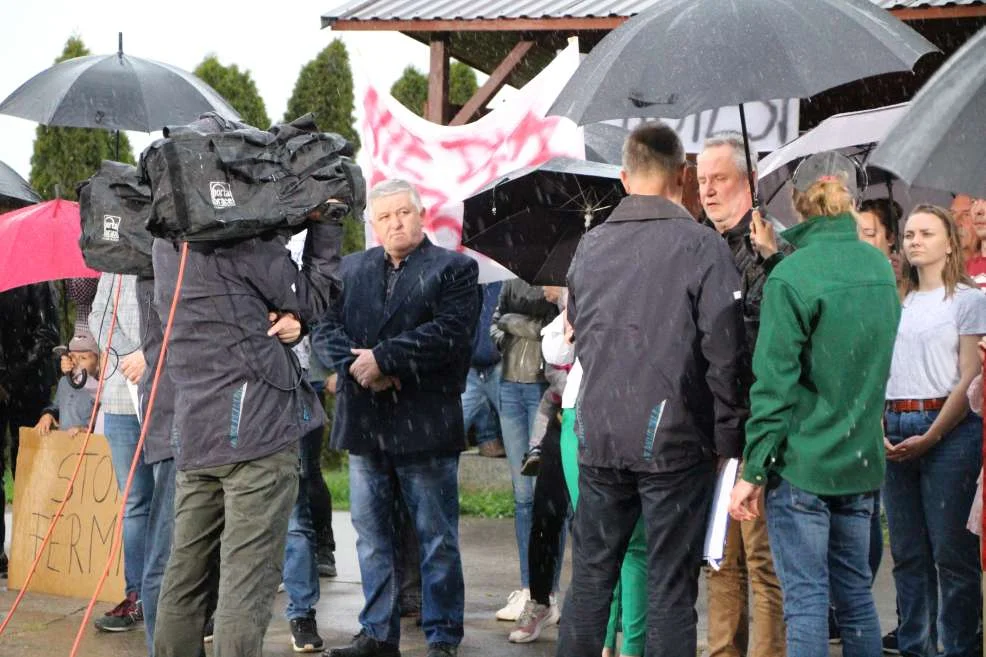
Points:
x=449 y=163
x=770 y=124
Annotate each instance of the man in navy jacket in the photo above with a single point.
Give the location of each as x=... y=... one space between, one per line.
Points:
x=400 y=339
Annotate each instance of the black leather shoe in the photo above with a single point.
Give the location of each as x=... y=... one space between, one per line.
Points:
x=442 y=650
x=326 y=562
x=364 y=645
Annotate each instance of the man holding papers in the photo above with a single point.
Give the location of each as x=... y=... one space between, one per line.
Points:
x=746 y=565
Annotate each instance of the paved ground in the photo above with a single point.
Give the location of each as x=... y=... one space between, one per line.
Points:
x=46 y=625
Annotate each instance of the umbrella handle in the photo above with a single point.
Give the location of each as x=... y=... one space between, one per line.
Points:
x=750 y=175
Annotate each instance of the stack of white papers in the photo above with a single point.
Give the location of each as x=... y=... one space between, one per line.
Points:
x=715 y=533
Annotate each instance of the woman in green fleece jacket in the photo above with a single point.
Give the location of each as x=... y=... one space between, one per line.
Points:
x=815 y=437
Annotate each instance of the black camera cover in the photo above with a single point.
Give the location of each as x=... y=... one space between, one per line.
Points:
x=115 y=205
x=219 y=181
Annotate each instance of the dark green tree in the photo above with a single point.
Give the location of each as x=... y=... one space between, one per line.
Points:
x=64 y=157
x=411 y=89
x=237 y=87
x=353 y=237
x=461 y=83
x=325 y=87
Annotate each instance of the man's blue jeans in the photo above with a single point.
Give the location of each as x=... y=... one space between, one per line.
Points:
x=429 y=484
x=300 y=574
x=481 y=402
x=518 y=407
x=122 y=433
x=821 y=544
x=160 y=531
x=928 y=501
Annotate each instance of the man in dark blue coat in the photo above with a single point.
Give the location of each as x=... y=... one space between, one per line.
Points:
x=400 y=339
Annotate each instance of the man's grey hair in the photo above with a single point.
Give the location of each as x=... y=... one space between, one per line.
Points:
x=734 y=140
x=389 y=188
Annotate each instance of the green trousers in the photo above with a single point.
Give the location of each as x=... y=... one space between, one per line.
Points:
x=631 y=592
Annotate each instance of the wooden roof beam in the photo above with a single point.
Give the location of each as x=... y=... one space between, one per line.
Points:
x=933 y=13
x=437 y=108
x=496 y=81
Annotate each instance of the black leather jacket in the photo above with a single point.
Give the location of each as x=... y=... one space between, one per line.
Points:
x=516 y=329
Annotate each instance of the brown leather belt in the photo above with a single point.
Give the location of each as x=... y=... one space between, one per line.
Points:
x=915 y=405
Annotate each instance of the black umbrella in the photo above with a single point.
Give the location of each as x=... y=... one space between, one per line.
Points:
x=679 y=57
x=940 y=142
x=15 y=188
x=604 y=143
x=531 y=220
x=114 y=92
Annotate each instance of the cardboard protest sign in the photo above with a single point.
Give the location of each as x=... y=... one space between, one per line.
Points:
x=76 y=556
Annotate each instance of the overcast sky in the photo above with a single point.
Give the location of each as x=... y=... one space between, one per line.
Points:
x=272 y=42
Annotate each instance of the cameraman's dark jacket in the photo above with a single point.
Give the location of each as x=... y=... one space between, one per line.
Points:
x=157 y=442
x=241 y=395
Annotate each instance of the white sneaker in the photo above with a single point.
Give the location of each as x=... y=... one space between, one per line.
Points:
x=532 y=620
x=555 y=611
x=515 y=605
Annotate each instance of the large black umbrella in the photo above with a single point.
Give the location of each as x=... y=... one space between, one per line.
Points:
x=604 y=143
x=679 y=57
x=14 y=188
x=940 y=142
x=114 y=92
x=531 y=220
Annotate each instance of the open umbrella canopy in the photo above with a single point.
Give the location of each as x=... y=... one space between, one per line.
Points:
x=604 y=143
x=531 y=220
x=114 y=92
x=940 y=142
x=679 y=57
x=41 y=243
x=14 y=188
x=859 y=131
x=854 y=134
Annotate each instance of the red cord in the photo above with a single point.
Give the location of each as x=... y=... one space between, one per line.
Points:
x=78 y=463
x=118 y=534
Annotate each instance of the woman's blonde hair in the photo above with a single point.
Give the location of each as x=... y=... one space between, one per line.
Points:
x=954 y=271
x=825 y=198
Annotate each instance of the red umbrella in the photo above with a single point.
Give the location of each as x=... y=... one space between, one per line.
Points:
x=41 y=243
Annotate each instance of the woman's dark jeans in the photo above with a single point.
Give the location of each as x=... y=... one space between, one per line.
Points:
x=928 y=501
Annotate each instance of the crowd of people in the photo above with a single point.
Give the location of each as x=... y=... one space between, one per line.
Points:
x=835 y=359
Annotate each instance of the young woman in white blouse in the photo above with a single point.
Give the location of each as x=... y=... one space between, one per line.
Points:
x=933 y=441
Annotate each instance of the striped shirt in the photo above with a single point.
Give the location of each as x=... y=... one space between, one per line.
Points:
x=126 y=337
